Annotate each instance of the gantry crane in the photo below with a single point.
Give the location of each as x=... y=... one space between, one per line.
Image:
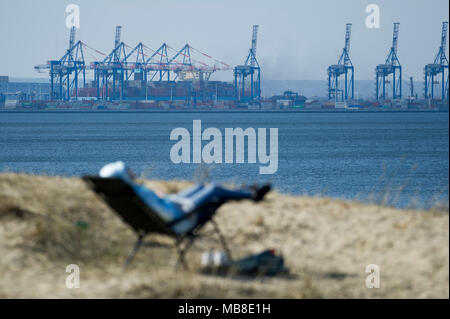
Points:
x=343 y=67
x=249 y=68
x=440 y=66
x=137 y=66
x=178 y=67
x=64 y=72
x=391 y=66
x=113 y=72
x=112 y=67
x=158 y=63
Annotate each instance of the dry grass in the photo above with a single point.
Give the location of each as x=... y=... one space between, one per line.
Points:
x=49 y=222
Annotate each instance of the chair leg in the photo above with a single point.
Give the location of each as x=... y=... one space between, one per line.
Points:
x=222 y=240
x=182 y=251
x=133 y=252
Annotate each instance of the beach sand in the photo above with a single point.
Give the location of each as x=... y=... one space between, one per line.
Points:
x=47 y=223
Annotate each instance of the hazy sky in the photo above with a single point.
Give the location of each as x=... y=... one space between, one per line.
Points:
x=297 y=39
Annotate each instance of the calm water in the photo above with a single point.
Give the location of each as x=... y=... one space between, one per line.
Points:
x=399 y=156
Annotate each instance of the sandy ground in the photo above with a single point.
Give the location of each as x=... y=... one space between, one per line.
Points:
x=47 y=223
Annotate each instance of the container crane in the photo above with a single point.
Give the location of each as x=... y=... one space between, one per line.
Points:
x=186 y=62
x=158 y=63
x=112 y=67
x=391 y=66
x=64 y=73
x=137 y=66
x=440 y=66
x=343 y=67
x=249 y=68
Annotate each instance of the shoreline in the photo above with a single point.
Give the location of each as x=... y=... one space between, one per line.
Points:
x=223 y=111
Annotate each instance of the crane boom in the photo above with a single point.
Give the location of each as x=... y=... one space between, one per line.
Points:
x=72 y=37
x=254 y=41
x=117 y=43
x=348 y=30
x=117 y=39
x=444 y=36
x=395 y=38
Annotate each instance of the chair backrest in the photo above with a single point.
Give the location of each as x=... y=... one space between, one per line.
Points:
x=124 y=201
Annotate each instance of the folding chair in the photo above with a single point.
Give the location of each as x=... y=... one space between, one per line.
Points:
x=143 y=220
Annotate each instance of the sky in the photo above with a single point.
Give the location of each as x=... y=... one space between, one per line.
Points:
x=297 y=39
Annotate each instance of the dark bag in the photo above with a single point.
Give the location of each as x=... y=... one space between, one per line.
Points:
x=266 y=263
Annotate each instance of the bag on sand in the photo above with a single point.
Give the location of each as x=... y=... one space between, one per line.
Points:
x=266 y=263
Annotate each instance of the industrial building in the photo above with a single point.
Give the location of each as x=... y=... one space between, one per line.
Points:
x=289 y=99
x=23 y=91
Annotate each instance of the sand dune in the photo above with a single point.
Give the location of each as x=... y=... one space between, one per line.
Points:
x=47 y=223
